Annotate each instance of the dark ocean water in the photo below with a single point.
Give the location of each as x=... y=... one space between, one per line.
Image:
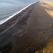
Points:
x=8 y=7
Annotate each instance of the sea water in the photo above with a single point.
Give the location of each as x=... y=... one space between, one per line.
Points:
x=9 y=7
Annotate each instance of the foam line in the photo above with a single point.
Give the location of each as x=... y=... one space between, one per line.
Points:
x=1 y=22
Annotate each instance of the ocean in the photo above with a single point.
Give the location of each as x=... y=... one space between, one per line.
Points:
x=9 y=7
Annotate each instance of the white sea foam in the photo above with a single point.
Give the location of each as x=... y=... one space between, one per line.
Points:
x=2 y=21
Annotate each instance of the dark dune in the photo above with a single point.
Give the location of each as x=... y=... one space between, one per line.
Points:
x=28 y=29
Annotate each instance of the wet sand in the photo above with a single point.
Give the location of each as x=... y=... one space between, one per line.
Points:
x=28 y=29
